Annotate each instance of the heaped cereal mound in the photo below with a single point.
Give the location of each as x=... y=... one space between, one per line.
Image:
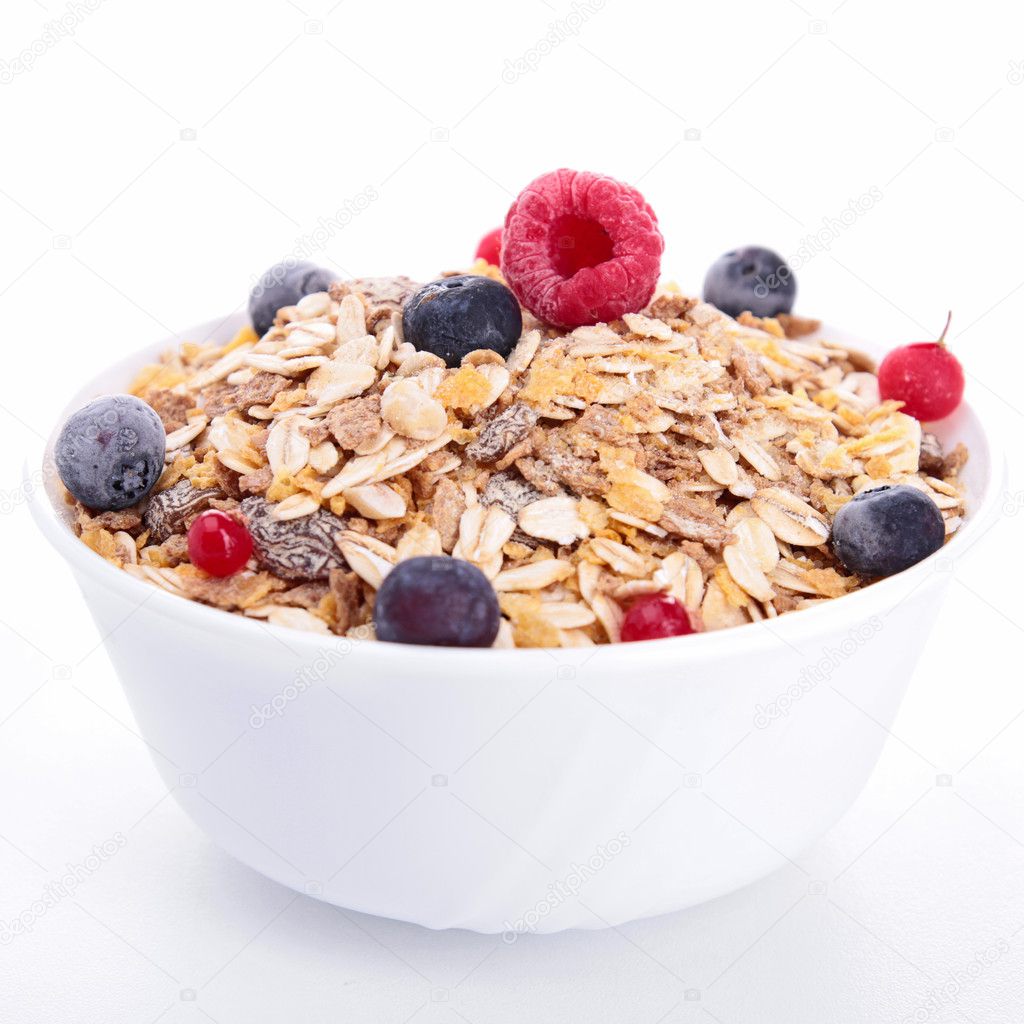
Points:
x=674 y=450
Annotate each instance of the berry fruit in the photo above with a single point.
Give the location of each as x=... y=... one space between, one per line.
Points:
x=926 y=377
x=437 y=600
x=456 y=315
x=655 y=616
x=581 y=248
x=218 y=544
x=750 y=279
x=490 y=247
x=886 y=530
x=283 y=285
x=111 y=452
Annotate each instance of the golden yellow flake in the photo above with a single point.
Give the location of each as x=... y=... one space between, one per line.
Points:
x=635 y=501
x=155 y=376
x=594 y=514
x=466 y=389
x=734 y=594
x=861 y=445
x=102 y=542
x=288 y=399
x=878 y=467
x=175 y=471
x=203 y=474
x=244 y=336
x=548 y=380
x=530 y=627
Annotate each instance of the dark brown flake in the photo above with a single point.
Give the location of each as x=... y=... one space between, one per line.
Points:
x=347 y=590
x=355 y=422
x=261 y=389
x=750 y=370
x=171 y=408
x=690 y=518
x=448 y=505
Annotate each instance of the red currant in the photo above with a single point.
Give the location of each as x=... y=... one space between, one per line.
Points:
x=655 y=616
x=490 y=247
x=926 y=377
x=218 y=544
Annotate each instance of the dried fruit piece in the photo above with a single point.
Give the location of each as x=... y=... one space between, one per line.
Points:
x=297 y=549
x=503 y=433
x=509 y=491
x=168 y=511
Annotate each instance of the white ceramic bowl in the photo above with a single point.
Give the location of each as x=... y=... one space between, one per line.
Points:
x=506 y=791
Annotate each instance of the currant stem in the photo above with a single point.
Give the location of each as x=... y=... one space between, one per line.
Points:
x=945 y=330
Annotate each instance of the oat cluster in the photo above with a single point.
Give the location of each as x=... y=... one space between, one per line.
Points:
x=674 y=450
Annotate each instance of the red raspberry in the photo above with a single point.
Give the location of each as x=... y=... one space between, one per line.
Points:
x=926 y=377
x=581 y=248
x=490 y=247
x=218 y=544
x=654 y=617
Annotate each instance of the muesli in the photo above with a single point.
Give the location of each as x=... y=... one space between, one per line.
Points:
x=637 y=464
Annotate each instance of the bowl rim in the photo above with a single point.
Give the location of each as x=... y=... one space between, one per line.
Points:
x=787 y=629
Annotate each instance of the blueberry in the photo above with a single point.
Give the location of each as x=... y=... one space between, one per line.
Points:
x=111 y=452
x=283 y=285
x=751 y=278
x=437 y=600
x=456 y=315
x=886 y=530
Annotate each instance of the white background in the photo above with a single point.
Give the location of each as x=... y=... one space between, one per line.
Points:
x=159 y=156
